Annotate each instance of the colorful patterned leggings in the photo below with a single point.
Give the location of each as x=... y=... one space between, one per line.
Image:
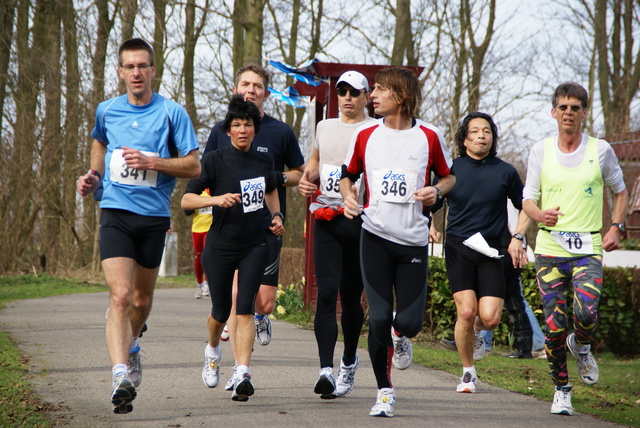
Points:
x=555 y=275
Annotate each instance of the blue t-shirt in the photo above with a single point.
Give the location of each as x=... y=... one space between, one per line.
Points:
x=275 y=138
x=147 y=128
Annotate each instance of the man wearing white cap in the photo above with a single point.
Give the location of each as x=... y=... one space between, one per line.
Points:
x=336 y=238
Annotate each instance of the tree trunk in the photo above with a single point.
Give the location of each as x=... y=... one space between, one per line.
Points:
x=160 y=13
x=403 y=40
x=254 y=32
x=238 y=19
x=52 y=159
x=128 y=20
x=7 y=14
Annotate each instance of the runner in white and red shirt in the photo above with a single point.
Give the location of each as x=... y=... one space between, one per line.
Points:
x=396 y=156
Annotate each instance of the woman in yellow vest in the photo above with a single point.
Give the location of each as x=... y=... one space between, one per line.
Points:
x=200 y=225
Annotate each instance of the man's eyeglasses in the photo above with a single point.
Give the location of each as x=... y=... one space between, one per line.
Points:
x=141 y=67
x=355 y=93
x=573 y=107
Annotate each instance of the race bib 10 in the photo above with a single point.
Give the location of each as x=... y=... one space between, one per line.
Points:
x=123 y=174
x=574 y=242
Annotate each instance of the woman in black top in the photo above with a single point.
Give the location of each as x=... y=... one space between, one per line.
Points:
x=241 y=181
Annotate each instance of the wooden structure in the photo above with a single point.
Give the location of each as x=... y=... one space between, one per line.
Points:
x=627 y=148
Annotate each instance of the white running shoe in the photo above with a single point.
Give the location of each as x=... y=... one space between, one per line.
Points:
x=243 y=388
x=402 y=351
x=122 y=394
x=232 y=381
x=211 y=370
x=562 y=401
x=326 y=384
x=467 y=383
x=205 y=289
x=478 y=347
x=587 y=366
x=224 y=336
x=198 y=292
x=384 y=403
x=346 y=377
x=263 y=329
x=135 y=368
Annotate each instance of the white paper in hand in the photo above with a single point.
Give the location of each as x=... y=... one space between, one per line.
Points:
x=477 y=242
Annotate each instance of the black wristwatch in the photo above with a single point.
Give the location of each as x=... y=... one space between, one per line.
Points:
x=521 y=237
x=619 y=226
x=278 y=214
x=284 y=178
x=439 y=192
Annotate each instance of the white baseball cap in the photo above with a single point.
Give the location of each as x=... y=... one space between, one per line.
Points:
x=355 y=79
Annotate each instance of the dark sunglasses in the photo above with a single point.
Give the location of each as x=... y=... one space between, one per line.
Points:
x=355 y=93
x=573 y=108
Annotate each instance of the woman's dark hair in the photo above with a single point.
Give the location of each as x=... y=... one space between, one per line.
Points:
x=463 y=129
x=241 y=109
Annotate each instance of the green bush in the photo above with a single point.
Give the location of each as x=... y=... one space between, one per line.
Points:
x=619 y=312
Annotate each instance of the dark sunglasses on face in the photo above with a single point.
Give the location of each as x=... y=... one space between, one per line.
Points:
x=355 y=93
x=573 y=108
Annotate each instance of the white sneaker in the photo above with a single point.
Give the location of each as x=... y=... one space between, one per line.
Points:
x=135 y=367
x=232 y=381
x=562 y=401
x=478 y=347
x=346 y=377
x=326 y=384
x=122 y=394
x=263 y=330
x=225 y=334
x=205 y=289
x=243 y=388
x=468 y=383
x=198 y=292
x=402 y=351
x=587 y=366
x=211 y=370
x=384 y=403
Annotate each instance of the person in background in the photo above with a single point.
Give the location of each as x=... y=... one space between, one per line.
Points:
x=278 y=140
x=200 y=224
x=336 y=238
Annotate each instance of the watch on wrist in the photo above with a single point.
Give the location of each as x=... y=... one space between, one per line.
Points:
x=619 y=226
x=439 y=191
x=284 y=178
x=521 y=237
x=96 y=173
x=278 y=214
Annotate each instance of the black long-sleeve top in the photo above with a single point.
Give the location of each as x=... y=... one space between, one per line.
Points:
x=222 y=171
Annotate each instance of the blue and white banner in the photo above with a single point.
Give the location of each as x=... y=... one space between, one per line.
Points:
x=289 y=96
x=300 y=73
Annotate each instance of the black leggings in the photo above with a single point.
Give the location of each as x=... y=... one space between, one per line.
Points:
x=389 y=267
x=219 y=266
x=337 y=265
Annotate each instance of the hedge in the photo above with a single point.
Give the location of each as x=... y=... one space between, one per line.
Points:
x=619 y=314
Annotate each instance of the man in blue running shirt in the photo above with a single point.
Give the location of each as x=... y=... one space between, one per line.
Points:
x=137 y=137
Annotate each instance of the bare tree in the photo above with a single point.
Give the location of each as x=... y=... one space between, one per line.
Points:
x=7 y=14
x=403 y=40
x=159 y=33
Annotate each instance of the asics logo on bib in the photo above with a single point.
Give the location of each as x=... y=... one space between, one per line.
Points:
x=393 y=177
x=252 y=186
x=569 y=234
x=336 y=173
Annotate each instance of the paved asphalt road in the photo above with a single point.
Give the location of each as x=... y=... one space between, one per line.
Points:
x=64 y=339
